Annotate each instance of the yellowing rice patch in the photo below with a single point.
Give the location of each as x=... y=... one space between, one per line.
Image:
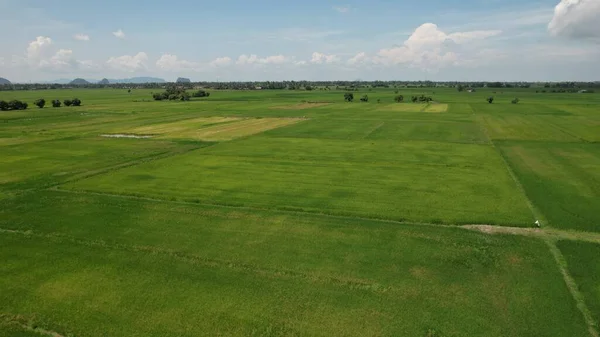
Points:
x=242 y=128
x=403 y=107
x=179 y=126
x=209 y=128
x=436 y=108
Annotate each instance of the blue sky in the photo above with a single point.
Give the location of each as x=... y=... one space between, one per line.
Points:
x=546 y=40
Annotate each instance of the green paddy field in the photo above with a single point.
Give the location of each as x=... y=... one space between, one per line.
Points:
x=294 y=213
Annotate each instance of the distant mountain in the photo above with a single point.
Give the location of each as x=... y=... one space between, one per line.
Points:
x=183 y=80
x=79 y=81
x=4 y=81
x=133 y=80
x=139 y=80
x=104 y=81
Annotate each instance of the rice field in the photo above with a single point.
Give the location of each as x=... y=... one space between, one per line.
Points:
x=294 y=213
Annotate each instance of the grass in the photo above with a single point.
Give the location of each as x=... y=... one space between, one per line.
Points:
x=584 y=266
x=39 y=164
x=258 y=213
x=243 y=272
x=562 y=180
x=411 y=181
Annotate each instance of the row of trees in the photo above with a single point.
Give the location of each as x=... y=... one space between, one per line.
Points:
x=349 y=97
x=514 y=101
x=178 y=94
x=40 y=103
x=12 y=105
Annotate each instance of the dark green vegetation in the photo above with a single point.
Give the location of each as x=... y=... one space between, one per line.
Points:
x=583 y=262
x=297 y=213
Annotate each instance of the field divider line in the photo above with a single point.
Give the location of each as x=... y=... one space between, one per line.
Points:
x=264 y=209
x=573 y=287
x=379 y=126
x=345 y=282
x=131 y=163
x=554 y=233
x=538 y=216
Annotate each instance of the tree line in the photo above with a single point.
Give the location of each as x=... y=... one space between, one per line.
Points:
x=313 y=85
x=349 y=97
x=40 y=103
x=178 y=94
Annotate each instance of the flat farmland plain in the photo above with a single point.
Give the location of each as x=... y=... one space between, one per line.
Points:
x=257 y=213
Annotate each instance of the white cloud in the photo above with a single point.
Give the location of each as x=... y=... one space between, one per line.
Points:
x=430 y=48
x=340 y=9
x=253 y=59
x=119 y=34
x=62 y=60
x=360 y=58
x=42 y=54
x=81 y=37
x=576 y=19
x=275 y=59
x=462 y=37
x=171 y=62
x=39 y=50
x=221 y=62
x=319 y=58
x=129 y=63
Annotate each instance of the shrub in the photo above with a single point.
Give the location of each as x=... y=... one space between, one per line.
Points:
x=201 y=93
x=3 y=105
x=17 y=105
x=76 y=102
x=40 y=103
x=348 y=97
x=490 y=100
x=56 y=103
x=515 y=101
x=68 y=102
x=365 y=98
x=399 y=99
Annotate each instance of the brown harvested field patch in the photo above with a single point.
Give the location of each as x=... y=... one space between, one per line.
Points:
x=301 y=106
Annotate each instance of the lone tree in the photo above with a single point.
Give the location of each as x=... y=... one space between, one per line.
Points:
x=460 y=88
x=348 y=97
x=490 y=100
x=40 y=103
x=56 y=103
x=68 y=102
x=399 y=99
x=76 y=102
x=365 y=98
x=515 y=101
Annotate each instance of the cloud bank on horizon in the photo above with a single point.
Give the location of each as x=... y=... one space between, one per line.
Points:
x=428 y=51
